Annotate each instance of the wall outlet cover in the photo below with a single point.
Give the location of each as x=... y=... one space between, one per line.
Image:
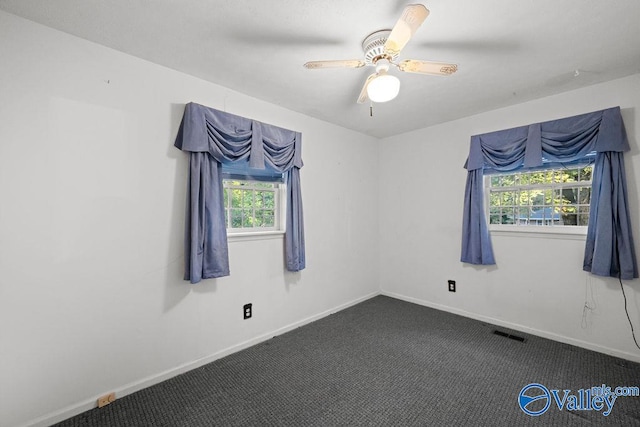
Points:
x=247 y=310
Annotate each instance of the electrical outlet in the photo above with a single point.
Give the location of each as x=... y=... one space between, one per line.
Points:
x=106 y=399
x=452 y=285
x=247 y=311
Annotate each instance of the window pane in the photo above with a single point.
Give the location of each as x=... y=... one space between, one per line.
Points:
x=259 y=199
x=572 y=175
x=494 y=199
x=523 y=216
x=494 y=216
x=569 y=219
x=236 y=198
x=247 y=218
x=549 y=176
x=269 y=218
x=258 y=219
x=495 y=181
x=537 y=197
x=516 y=181
x=525 y=178
x=583 y=215
x=507 y=198
x=507 y=216
x=585 y=196
x=586 y=173
x=247 y=198
x=236 y=218
x=569 y=215
x=508 y=180
x=269 y=200
x=569 y=196
x=537 y=177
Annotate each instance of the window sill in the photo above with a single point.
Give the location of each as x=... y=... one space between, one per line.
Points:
x=255 y=235
x=567 y=233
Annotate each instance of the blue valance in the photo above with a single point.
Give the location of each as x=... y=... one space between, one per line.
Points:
x=562 y=141
x=214 y=138
x=609 y=248
x=229 y=138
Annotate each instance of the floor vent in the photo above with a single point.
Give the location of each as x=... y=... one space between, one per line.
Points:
x=506 y=335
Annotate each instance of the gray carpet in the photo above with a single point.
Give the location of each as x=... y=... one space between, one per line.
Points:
x=383 y=362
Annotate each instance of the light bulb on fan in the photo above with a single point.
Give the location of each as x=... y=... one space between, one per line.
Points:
x=384 y=87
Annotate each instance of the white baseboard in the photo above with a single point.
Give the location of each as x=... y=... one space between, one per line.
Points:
x=544 y=334
x=135 y=386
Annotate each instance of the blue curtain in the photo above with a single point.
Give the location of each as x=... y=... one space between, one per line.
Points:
x=609 y=249
x=214 y=138
x=474 y=226
x=294 y=237
x=206 y=253
x=474 y=223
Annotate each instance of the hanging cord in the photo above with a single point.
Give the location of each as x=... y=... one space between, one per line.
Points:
x=589 y=302
x=633 y=333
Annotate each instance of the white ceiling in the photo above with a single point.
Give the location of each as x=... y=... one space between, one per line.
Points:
x=507 y=51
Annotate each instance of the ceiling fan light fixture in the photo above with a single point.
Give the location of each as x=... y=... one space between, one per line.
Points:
x=381 y=50
x=383 y=88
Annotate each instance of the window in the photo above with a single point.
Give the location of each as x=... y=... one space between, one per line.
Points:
x=547 y=198
x=252 y=206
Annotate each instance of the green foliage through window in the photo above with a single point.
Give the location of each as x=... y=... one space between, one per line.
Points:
x=250 y=205
x=552 y=197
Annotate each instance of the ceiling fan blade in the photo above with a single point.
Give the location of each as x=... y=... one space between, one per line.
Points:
x=352 y=63
x=363 y=93
x=412 y=17
x=427 y=67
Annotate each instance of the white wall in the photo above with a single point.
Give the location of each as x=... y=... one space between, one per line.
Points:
x=92 y=198
x=538 y=284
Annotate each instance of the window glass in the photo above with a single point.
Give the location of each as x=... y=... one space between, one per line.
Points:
x=251 y=205
x=545 y=198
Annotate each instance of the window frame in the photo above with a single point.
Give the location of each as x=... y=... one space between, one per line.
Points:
x=277 y=230
x=577 y=231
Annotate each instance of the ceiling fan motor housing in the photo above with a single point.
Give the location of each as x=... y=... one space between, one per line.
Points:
x=373 y=47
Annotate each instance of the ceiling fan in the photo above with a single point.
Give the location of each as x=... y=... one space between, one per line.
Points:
x=381 y=50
